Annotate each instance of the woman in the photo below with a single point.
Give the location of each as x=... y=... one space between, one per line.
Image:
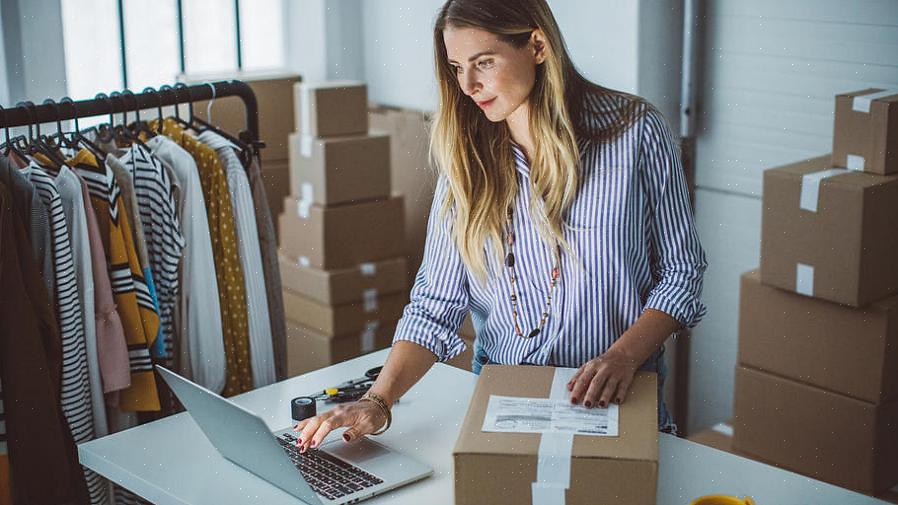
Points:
x=561 y=220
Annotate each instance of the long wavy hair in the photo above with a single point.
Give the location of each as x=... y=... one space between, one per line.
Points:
x=475 y=154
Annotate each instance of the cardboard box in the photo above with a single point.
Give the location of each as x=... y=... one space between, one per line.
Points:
x=413 y=175
x=334 y=170
x=331 y=108
x=341 y=236
x=276 y=179
x=830 y=233
x=865 y=131
x=349 y=318
x=500 y=468
x=274 y=97
x=345 y=285
x=719 y=436
x=827 y=436
x=843 y=349
x=309 y=350
x=463 y=360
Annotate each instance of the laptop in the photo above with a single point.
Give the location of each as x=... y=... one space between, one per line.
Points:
x=335 y=473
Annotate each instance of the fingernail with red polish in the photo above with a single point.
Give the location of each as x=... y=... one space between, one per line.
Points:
x=574 y=400
x=602 y=404
x=346 y=437
x=618 y=401
x=313 y=444
x=588 y=404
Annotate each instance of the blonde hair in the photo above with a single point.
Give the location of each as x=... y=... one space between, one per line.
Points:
x=474 y=154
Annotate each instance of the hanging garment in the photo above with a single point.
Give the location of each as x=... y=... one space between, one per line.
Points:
x=132 y=208
x=39 y=441
x=139 y=318
x=164 y=241
x=228 y=270
x=269 y=248
x=112 y=347
x=73 y=204
x=260 y=344
x=201 y=355
x=75 y=393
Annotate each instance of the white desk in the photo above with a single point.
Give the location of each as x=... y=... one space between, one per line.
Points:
x=171 y=462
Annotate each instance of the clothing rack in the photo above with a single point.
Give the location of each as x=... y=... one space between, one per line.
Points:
x=66 y=109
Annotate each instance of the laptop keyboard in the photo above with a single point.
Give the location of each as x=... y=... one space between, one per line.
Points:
x=328 y=476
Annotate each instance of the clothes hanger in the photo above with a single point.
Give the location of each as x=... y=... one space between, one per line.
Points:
x=177 y=117
x=59 y=138
x=36 y=143
x=48 y=144
x=9 y=146
x=131 y=132
x=244 y=151
x=79 y=136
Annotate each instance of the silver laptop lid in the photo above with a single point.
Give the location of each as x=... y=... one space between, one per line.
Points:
x=240 y=436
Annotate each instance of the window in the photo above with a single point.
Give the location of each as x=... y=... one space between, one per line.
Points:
x=114 y=44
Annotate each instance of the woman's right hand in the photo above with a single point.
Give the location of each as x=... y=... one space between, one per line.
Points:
x=360 y=417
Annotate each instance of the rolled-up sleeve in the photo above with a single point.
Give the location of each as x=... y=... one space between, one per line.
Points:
x=439 y=297
x=678 y=261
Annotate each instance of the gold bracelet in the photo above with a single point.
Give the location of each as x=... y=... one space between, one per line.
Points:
x=380 y=402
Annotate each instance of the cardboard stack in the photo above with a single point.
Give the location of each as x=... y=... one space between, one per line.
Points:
x=817 y=375
x=341 y=232
x=274 y=97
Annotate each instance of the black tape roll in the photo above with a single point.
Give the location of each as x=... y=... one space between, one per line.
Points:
x=302 y=408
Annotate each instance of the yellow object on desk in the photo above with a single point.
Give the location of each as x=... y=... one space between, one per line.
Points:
x=722 y=500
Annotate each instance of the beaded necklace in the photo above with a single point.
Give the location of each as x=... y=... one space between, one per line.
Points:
x=512 y=277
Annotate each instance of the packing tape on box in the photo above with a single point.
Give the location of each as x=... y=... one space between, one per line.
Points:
x=307 y=192
x=861 y=103
x=368 y=269
x=553 y=459
x=306 y=143
x=855 y=162
x=368 y=337
x=369 y=299
x=804 y=279
x=723 y=429
x=305 y=113
x=810 y=186
x=302 y=208
x=304 y=261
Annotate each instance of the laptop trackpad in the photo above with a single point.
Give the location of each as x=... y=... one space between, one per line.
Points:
x=357 y=452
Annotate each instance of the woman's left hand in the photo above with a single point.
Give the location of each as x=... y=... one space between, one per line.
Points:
x=603 y=380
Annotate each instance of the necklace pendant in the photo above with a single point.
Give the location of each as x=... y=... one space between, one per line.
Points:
x=509 y=260
x=533 y=333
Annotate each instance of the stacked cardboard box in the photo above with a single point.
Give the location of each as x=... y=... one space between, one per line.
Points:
x=274 y=97
x=817 y=374
x=341 y=231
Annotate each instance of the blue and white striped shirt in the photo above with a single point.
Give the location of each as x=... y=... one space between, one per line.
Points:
x=632 y=227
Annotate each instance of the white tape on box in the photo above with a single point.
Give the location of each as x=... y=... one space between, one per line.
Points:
x=307 y=192
x=304 y=261
x=306 y=144
x=553 y=460
x=302 y=208
x=368 y=269
x=368 y=337
x=855 y=162
x=305 y=113
x=861 y=103
x=369 y=299
x=723 y=429
x=810 y=186
x=804 y=279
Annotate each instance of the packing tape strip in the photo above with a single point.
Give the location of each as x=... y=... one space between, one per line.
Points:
x=369 y=299
x=804 y=279
x=810 y=186
x=553 y=461
x=307 y=192
x=302 y=208
x=304 y=261
x=368 y=269
x=723 y=429
x=306 y=143
x=305 y=113
x=855 y=162
x=368 y=336
x=861 y=103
